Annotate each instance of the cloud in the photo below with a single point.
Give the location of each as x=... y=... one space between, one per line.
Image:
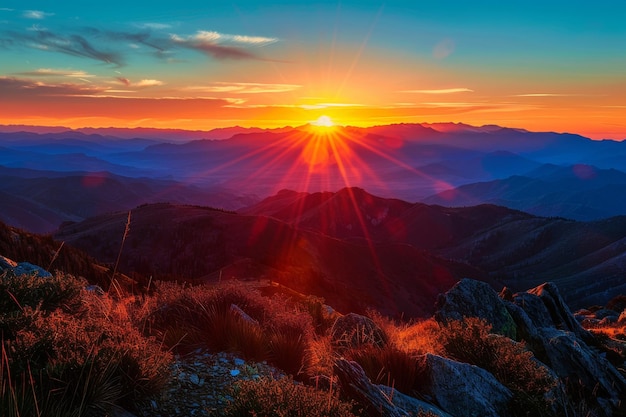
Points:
x=441 y=91
x=542 y=95
x=244 y=88
x=222 y=46
x=6 y=9
x=97 y=44
x=140 y=84
x=20 y=88
x=75 y=45
x=154 y=26
x=443 y=49
x=149 y=83
x=49 y=72
x=124 y=81
x=36 y=14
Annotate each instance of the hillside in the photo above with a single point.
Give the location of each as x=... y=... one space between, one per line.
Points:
x=515 y=248
x=360 y=251
x=192 y=243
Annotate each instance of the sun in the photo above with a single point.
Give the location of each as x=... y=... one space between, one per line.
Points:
x=324 y=121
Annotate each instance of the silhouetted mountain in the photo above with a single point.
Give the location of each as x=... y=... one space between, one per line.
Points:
x=194 y=243
x=518 y=249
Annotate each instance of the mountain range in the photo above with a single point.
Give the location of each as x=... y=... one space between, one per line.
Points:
x=386 y=217
x=360 y=251
x=546 y=174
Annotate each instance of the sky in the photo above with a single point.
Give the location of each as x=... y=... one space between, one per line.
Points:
x=539 y=65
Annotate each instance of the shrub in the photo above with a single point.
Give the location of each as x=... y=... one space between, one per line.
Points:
x=203 y=317
x=59 y=291
x=284 y=397
x=84 y=355
x=514 y=366
x=392 y=367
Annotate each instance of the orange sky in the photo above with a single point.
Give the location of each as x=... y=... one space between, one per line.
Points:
x=274 y=64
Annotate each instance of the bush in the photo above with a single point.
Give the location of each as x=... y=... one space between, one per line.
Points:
x=59 y=291
x=75 y=358
x=284 y=397
x=203 y=317
x=392 y=367
x=469 y=340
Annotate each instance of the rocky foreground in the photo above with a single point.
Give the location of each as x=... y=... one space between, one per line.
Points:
x=577 y=372
x=540 y=319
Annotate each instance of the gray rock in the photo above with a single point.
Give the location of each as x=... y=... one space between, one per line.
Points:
x=571 y=359
x=605 y=313
x=353 y=330
x=471 y=298
x=465 y=390
x=559 y=312
x=412 y=405
x=566 y=354
x=534 y=308
x=22 y=268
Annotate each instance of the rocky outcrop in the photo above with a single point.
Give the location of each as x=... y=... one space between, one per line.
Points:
x=465 y=390
x=357 y=385
x=562 y=317
x=470 y=298
x=22 y=268
x=557 y=339
x=411 y=405
x=353 y=330
x=541 y=318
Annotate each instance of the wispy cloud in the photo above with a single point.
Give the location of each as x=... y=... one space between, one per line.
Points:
x=222 y=46
x=244 y=88
x=153 y=26
x=443 y=49
x=49 y=72
x=36 y=14
x=17 y=87
x=140 y=84
x=75 y=45
x=440 y=91
x=6 y=9
x=543 y=95
x=114 y=46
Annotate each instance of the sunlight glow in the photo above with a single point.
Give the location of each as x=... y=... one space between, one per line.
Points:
x=323 y=121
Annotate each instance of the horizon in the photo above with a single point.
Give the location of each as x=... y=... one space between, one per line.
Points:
x=43 y=129
x=271 y=65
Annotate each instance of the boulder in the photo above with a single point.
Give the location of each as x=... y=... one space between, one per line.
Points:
x=356 y=385
x=560 y=313
x=606 y=313
x=470 y=298
x=465 y=390
x=570 y=358
x=22 y=268
x=411 y=405
x=353 y=330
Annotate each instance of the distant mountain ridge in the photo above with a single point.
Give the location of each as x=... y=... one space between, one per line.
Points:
x=443 y=163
